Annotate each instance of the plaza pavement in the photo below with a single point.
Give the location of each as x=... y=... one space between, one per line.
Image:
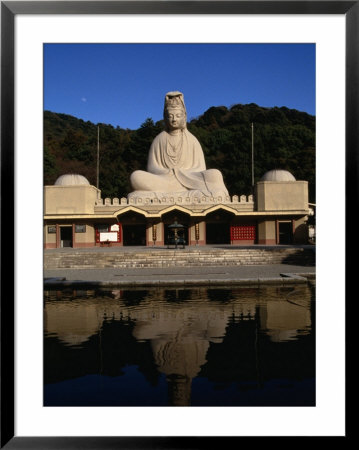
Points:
x=281 y=274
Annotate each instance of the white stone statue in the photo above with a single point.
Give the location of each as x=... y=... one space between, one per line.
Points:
x=176 y=163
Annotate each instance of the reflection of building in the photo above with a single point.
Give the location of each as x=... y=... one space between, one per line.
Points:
x=178 y=334
x=283 y=318
x=160 y=320
x=77 y=216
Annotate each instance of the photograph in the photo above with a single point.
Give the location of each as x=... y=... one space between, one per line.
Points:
x=167 y=278
x=179 y=224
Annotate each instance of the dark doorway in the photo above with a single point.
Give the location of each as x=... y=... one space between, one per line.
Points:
x=134 y=234
x=65 y=237
x=218 y=233
x=285 y=233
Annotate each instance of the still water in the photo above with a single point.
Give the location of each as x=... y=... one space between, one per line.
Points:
x=180 y=347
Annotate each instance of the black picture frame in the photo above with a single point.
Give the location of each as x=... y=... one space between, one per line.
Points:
x=9 y=9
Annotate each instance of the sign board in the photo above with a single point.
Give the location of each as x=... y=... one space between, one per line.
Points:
x=110 y=236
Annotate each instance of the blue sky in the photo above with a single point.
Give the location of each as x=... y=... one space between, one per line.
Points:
x=124 y=84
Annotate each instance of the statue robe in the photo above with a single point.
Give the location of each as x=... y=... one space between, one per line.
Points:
x=184 y=171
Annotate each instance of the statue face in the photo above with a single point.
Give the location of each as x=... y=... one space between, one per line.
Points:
x=175 y=119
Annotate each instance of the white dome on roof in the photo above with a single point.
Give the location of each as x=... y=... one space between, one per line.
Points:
x=71 y=179
x=278 y=175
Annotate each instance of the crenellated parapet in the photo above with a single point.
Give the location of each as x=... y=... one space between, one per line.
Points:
x=176 y=200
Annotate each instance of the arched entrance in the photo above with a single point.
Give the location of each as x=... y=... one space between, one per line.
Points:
x=133 y=228
x=171 y=217
x=218 y=227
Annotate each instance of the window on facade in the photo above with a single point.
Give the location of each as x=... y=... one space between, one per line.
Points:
x=243 y=232
x=102 y=228
x=80 y=228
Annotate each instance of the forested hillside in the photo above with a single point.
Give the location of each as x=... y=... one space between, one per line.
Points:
x=283 y=139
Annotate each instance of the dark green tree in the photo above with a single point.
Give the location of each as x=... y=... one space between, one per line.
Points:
x=283 y=138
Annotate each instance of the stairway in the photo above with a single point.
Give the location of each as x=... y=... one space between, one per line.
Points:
x=189 y=257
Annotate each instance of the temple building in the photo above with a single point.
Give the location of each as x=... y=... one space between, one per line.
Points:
x=177 y=192
x=75 y=215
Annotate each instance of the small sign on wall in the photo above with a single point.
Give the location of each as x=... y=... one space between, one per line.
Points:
x=51 y=229
x=80 y=228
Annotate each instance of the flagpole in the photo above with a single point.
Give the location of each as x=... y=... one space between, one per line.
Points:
x=98 y=157
x=252 y=157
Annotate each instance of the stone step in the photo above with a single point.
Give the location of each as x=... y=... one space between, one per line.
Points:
x=93 y=260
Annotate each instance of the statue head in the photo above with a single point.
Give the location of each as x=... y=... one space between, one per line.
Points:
x=174 y=112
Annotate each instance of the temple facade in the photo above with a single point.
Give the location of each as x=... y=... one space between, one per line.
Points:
x=76 y=215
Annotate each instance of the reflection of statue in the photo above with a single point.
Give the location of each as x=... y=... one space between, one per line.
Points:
x=179 y=390
x=176 y=161
x=180 y=343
